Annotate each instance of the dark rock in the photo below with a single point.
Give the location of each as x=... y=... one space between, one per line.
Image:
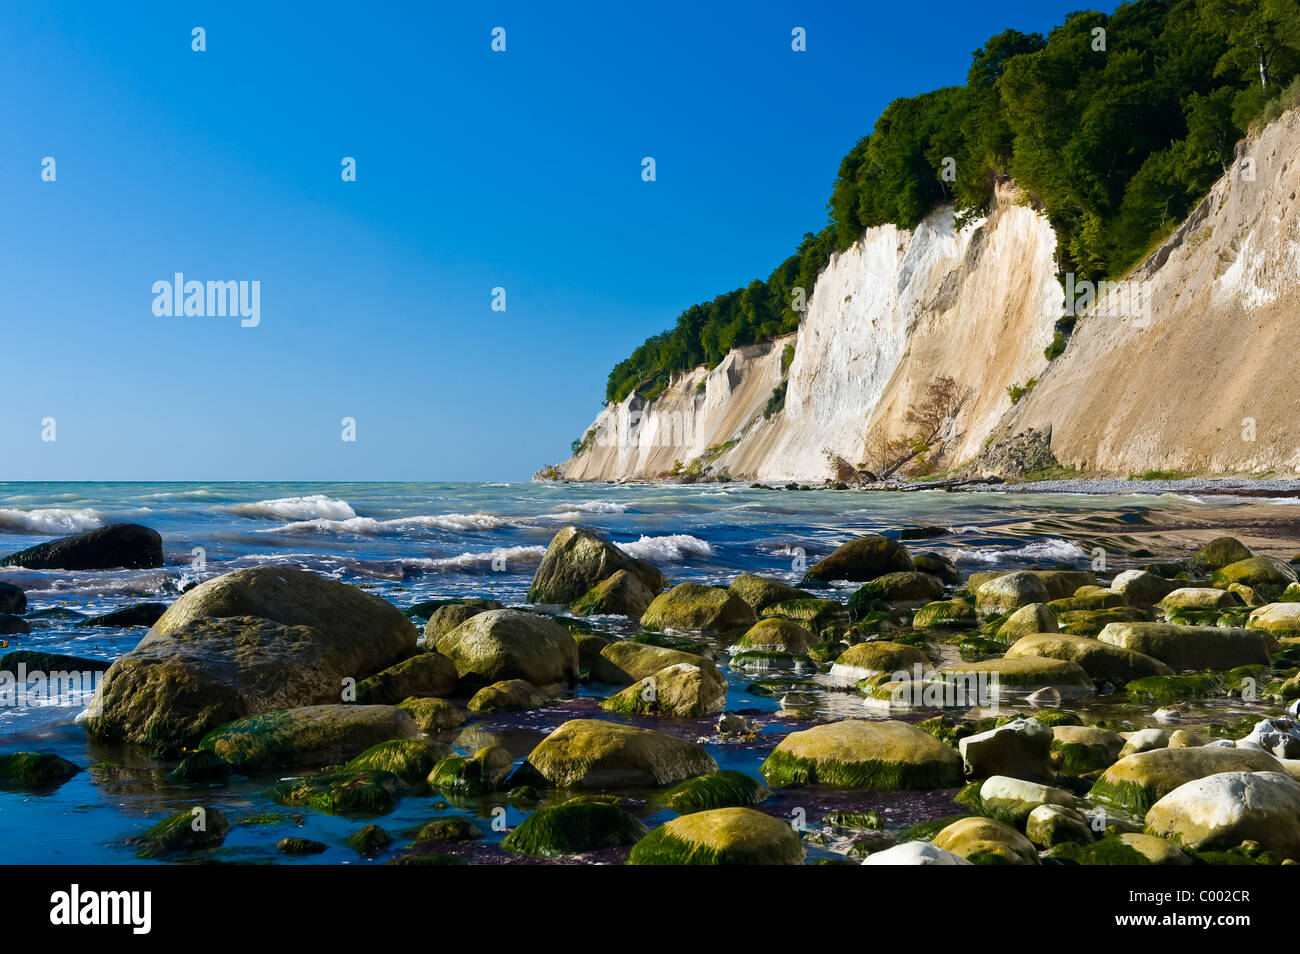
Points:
x=118 y=546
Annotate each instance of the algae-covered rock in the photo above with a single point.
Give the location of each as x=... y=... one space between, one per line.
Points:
x=574 y=827
x=1078 y=749
x=1009 y=592
x=424 y=674
x=433 y=715
x=1020 y=749
x=1219 y=552
x=35 y=770
x=594 y=754
x=511 y=644
x=1034 y=618
x=945 y=614
x=370 y=792
x=1061 y=584
x=1013 y=799
x=680 y=691
x=692 y=607
x=1050 y=825
x=1144 y=740
x=1137 y=782
x=509 y=695
x=1260 y=572
x=780 y=636
x=576 y=560
x=484 y=772
x=622 y=594
x=311 y=735
x=761 y=592
x=633 y=661
x=1198 y=598
x=986 y=841
x=1190 y=647
x=1101 y=661
x=1279 y=619
x=907 y=587
x=1018 y=673
x=854 y=753
x=1158 y=851
x=723 y=789
x=1092 y=622
x=453 y=829
x=300 y=846
x=815 y=614
x=411 y=760
x=1221 y=811
x=1142 y=587
x=448 y=616
x=721 y=836
x=369 y=839
x=191 y=829
x=937 y=565
x=871 y=659
x=1089 y=598
x=861 y=560
x=201 y=767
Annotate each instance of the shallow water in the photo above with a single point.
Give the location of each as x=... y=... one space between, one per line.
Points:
x=411 y=542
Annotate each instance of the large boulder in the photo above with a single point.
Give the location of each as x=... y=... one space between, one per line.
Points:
x=1198 y=598
x=1013 y=799
x=1259 y=571
x=1219 y=552
x=1101 y=661
x=1142 y=587
x=854 y=753
x=1136 y=782
x=577 y=560
x=680 y=691
x=594 y=754
x=1221 y=811
x=576 y=826
x=1020 y=749
x=1279 y=619
x=864 y=660
x=632 y=661
x=424 y=674
x=126 y=546
x=247 y=642
x=307 y=736
x=761 y=592
x=446 y=618
x=982 y=683
x=909 y=588
x=985 y=841
x=692 y=607
x=773 y=635
x=509 y=695
x=1008 y=592
x=722 y=836
x=511 y=644
x=861 y=560
x=1033 y=618
x=12 y=599
x=622 y=594
x=945 y=614
x=1190 y=647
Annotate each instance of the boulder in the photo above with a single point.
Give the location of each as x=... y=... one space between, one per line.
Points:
x=937 y=565
x=914 y=853
x=1144 y=740
x=724 y=789
x=722 y=836
x=621 y=594
x=692 y=607
x=480 y=774
x=815 y=614
x=1049 y=825
x=1158 y=851
x=576 y=826
x=1009 y=592
x=1061 y=584
x=509 y=695
x=433 y=715
x=11 y=625
x=631 y=662
x=1257 y=572
x=1279 y=619
x=1034 y=618
x=1221 y=811
x=1219 y=552
x=511 y=644
x=12 y=599
x=1142 y=588
x=595 y=754
x=1013 y=799
x=1190 y=647
x=990 y=679
x=35 y=770
x=985 y=841
x=424 y=674
x=775 y=635
x=577 y=560
x=871 y=659
x=190 y=829
x=861 y=560
x=1136 y=782
x=138 y=614
x=411 y=760
x=906 y=587
x=854 y=753
x=680 y=691
x=1102 y=662
x=307 y=736
x=1198 y=598
x=446 y=618
x=126 y=546
x=1079 y=749
x=945 y=614
x=1021 y=749
x=761 y=592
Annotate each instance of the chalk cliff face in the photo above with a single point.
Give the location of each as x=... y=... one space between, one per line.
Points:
x=1159 y=379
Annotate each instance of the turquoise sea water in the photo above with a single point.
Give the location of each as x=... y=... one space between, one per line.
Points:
x=411 y=542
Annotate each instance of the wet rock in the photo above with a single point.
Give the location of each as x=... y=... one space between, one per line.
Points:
x=201 y=767
x=1219 y=552
x=724 y=789
x=1050 y=825
x=433 y=715
x=411 y=760
x=1013 y=674
x=307 y=736
x=35 y=770
x=1009 y=592
x=1198 y=598
x=479 y=774
x=1021 y=749
x=905 y=588
x=691 y=607
x=11 y=625
x=1142 y=588
x=1034 y=618
x=191 y=829
x=1221 y=811
x=118 y=546
x=1260 y=573
x=1136 y=782
x=574 y=827
x=139 y=614
x=511 y=644
x=1279 y=619
x=633 y=662
x=593 y=754
x=861 y=560
x=369 y=839
x=937 y=565
x=424 y=674
x=722 y=836
x=779 y=636
x=985 y=841
x=300 y=846
x=680 y=691
x=1158 y=851
x=865 y=755
x=446 y=618
x=1144 y=740
x=761 y=592
x=509 y=695
x=576 y=560
x=622 y=594
x=870 y=659
x=13 y=600
x=1102 y=662
x=1190 y=647
x=945 y=614
x=1013 y=799
x=372 y=792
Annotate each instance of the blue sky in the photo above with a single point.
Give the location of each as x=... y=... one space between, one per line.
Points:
x=475 y=170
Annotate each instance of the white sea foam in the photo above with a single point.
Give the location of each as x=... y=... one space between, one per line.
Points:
x=314 y=507
x=673 y=548
x=369 y=526
x=1054 y=551
x=49 y=521
x=479 y=560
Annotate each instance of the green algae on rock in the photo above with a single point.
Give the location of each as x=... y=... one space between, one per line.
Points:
x=191 y=829
x=761 y=592
x=368 y=792
x=35 y=770
x=985 y=841
x=511 y=644
x=1223 y=810
x=1138 y=781
x=576 y=826
x=854 y=753
x=860 y=561
x=411 y=760
x=1101 y=661
x=720 y=836
x=779 y=635
x=695 y=608
x=682 y=690
x=722 y=789
x=1190 y=647
x=424 y=674
x=593 y=754
x=621 y=594
x=953 y=614
x=479 y=774
x=509 y=695
x=306 y=736
x=432 y=714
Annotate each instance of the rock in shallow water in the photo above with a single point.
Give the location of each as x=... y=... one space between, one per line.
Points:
x=1136 y=782
x=511 y=644
x=860 y=561
x=576 y=560
x=691 y=607
x=915 y=853
x=1223 y=810
x=307 y=736
x=118 y=546
x=722 y=836
x=591 y=754
x=854 y=753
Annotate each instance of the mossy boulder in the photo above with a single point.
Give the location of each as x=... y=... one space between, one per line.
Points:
x=447 y=617
x=910 y=587
x=370 y=792
x=300 y=846
x=1092 y=622
x=244 y=643
x=594 y=754
x=680 y=691
x=433 y=715
x=1016 y=674
x=1144 y=740
x=1050 y=825
x=986 y=841
x=861 y=560
x=723 y=789
x=590 y=660
x=621 y=594
x=937 y=565
x=306 y=736
x=781 y=636
x=1171 y=688
x=479 y=774
x=1158 y=851
x=201 y=768
x=945 y=614
x=453 y=829
x=1190 y=647
x=1218 y=553
x=424 y=674
x=576 y=560
x=871 y=659
x=854 y=753
x=411 y=760
x=1279 y=619
x=1080 y=749
x=1263 y=573
x=1101 y=661
x=511 y=644
x=1009 y=592
x=191 y=829
x=1221 y=811
x=1013 y=799
x=692 y=607
x=815 y=614
x=574 y=827
x=1142 y=587
x=1020 y=749
x=1034 y=618
x=1136 y=782
x=1062 y=584
x=35 y=770
x=1198 y=598
x=1090 y=598
x=721 y=836
x=509 y=695
x=761 y=592
x=634 y=661
x=369 y=839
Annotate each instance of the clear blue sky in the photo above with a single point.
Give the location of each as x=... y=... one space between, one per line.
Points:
x=475 y=169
